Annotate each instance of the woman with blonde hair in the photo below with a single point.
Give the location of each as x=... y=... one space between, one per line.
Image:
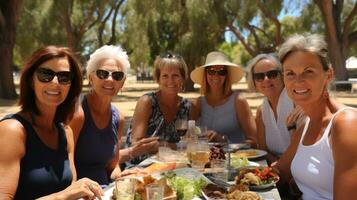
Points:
x=214 y=108
x=156 y=112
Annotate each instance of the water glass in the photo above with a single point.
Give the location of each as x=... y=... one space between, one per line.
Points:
x=220 y=169
x=198 y=155
x=125 y=189
x=154 y=192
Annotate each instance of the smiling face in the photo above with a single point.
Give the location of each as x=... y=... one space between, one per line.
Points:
x=170 y=80
x=51 y=93
x=216 y=80
x=304 y=77
x=107 y=86
x=269 y=87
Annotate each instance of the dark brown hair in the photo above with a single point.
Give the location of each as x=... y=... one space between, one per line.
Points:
x=65 y=110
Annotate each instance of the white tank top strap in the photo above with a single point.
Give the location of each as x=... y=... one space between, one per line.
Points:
x=328 y=127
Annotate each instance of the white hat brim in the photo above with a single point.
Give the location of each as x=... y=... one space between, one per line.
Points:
x=235 y=72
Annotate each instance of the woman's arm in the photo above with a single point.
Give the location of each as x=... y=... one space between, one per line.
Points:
x=246 y=120
x=283 y=164
x=261 y=136
x=70 y=149
x=11 y=154
x=113 y=166
x=140 y=122
x=77 y=123
x=195 y=109
x=137 y=149
x=343 y=139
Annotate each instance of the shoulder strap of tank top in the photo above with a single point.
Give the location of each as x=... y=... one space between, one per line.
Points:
x=328 y=127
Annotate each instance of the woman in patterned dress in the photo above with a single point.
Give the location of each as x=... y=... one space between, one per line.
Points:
x=170 y=72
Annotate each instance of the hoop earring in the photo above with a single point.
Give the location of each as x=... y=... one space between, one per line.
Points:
x=326 y=94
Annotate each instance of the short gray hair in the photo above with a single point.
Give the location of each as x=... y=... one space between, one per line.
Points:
x=251 y=65
x=312 y=43
x=108 y=52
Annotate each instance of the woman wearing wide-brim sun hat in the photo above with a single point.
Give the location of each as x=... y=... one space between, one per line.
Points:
x=213 y=109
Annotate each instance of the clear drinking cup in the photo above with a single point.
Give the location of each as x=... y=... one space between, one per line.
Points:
x=125 y=189
x=220 y=170
x=154 y=192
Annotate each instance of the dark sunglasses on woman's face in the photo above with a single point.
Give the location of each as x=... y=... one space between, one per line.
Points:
x=104 y=74
x=221 y=72
x=46 y=75
x=272 y=74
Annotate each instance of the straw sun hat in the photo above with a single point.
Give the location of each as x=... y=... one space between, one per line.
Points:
x=217 y=58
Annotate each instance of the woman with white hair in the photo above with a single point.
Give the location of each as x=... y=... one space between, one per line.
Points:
x=322 y=156
x=277 y=117
x=214 y=108
x=97 y=124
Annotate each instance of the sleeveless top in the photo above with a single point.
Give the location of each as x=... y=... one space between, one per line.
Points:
x=96 y=147
x=43 y=170
x=313 y=166
x=222 y=118
x=167 y=131
x=277 y=136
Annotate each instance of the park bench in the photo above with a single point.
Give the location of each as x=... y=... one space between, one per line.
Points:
x=350 y=81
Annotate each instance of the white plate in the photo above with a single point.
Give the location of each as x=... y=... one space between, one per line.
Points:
x=257 y=153
x=237 y=146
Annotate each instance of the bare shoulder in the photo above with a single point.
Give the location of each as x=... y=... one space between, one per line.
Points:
x=240 y=100
x=12 y=130
x=143 y=104
x=345 y=120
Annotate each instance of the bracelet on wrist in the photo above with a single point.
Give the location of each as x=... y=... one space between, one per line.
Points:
x=291 y=127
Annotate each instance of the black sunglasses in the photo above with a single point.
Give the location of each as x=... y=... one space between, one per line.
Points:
x=170 y=55
x=104 y=74
x=221 y=72
x=272 y=74
x=46 y=75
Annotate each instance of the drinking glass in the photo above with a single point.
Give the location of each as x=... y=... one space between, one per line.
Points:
x=199 y=155
x=125 y=188
x=154 y=192
x=181 y=126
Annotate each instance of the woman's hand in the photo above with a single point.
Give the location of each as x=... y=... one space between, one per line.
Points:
x=292 y=118
x=213 y=136
x=144 y=146
x=84 y=188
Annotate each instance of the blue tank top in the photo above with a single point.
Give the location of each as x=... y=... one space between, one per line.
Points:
x=222 y=119
x=96 y=147
x=43 y=170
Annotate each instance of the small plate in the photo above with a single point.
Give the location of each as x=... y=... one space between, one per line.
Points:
x=276 y=178
x=250 y=153
x=238 y=146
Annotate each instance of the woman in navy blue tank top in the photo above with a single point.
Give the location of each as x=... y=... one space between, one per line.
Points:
x=36 y=145
x=97 y=124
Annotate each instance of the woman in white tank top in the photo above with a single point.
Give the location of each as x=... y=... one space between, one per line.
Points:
x=273 y=132
x=322 y=156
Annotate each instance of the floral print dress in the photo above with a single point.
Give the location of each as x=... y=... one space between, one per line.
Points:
x=167 y=131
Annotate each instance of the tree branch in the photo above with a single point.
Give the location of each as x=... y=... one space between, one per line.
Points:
x=113 y=37
x=278 y=37
x=347 y=25
x=241 y=38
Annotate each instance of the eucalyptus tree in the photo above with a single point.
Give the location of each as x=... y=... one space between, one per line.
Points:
x=189 y=27
x=9 y=11
x=340 y=20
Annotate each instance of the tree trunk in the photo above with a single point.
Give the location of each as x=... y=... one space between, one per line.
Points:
x=333 y=36
x=8 y=19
